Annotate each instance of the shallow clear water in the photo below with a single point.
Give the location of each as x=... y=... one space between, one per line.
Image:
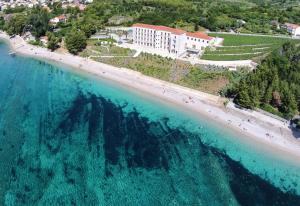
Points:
x=69 y=139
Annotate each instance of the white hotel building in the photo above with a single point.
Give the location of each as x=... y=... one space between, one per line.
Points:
x=293 y=29
x=175 y=42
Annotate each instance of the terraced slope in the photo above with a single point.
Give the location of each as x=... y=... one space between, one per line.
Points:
x=242 y=47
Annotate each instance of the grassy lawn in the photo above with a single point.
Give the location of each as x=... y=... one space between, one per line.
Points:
x=238 y=40
x=241 y=47
x=230 y=57
x=239 y=50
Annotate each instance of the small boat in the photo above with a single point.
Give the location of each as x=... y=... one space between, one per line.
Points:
x=12 y=53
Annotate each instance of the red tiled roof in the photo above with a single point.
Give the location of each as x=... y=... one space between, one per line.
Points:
x=294 y=26
x=44 y=38
x=200 y=35
x=160 y=28
x=61 y=17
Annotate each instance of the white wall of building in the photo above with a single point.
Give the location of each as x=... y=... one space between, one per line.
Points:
x=166 y=41
x=293 y=29
x=297 y=32
x=196 y=43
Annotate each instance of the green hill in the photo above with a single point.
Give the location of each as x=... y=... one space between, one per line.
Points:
x=215 y=15
x=274 y=85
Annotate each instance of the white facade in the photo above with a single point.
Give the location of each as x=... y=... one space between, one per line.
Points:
x=58 y=19
x=297 y=32
x=55 y=20
x=197 y=43
x=293 y=29
x=170 y=40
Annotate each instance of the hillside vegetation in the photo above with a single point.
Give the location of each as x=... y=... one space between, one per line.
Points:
x=212 y=14
x=210 y=80
x=243 y=16
x=274 y=85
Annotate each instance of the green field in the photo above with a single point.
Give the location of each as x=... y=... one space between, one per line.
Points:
x=241 y=47
x=97 y=48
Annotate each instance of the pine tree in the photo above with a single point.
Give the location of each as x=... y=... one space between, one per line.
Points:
x=274 y=83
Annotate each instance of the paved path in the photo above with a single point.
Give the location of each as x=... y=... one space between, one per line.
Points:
x=237 y=63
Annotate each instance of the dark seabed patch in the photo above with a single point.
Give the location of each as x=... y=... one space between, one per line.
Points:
x=64 y=144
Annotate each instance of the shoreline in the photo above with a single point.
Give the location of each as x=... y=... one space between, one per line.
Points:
x=258 y=128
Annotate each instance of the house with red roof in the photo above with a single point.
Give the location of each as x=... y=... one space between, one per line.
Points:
x=58 y=19
x=293 y=29
x=165 y=39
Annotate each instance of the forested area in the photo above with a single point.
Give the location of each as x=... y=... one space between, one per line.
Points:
x=242 y=16
x=259 y=17
x=275 y=85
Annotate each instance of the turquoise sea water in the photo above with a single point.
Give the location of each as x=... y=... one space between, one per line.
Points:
x=71 y=139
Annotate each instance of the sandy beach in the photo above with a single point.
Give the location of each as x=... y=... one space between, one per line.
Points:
x=260 y=128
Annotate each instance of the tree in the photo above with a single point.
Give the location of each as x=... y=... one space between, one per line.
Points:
x=276 y=99
x=56 y=8
x=289 y=104
x=88 y=29
x=39 y=19
x=196 y=27
x=244 y=100
x=75 y=41
x=74 y=11
x=224 y=22
x=267 y=97
x=16 y=24
x=243 y=97
x=17 y=9
x=2 y=23
x=274 y=84
x=298 y=124
x=52 y=41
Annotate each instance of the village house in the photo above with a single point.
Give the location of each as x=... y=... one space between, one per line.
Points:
x=44 y=40
x=275 y=24
x=80 y=6
x=59 y=19
x=2 y=6
x=293 y=29
x=176 y=42
x=27 y=36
